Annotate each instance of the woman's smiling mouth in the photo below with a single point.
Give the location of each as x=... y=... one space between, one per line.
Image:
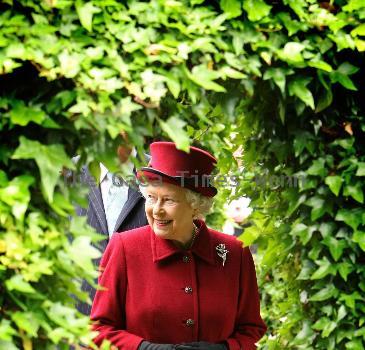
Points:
x=162 y=223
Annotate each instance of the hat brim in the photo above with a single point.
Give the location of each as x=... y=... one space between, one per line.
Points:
x=195 y=184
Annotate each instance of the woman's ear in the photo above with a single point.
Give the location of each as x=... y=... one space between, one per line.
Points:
x=195 y=214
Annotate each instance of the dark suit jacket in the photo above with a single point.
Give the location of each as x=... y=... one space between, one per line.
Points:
x=132 y=216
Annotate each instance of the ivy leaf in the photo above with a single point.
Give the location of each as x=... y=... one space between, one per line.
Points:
x=325 y=268
x=354 y=5
x=231 y=73
x=344 y=80
x=50 y=123
x=306 y=271
x=321 y=323
x=6 y=331
x=27 y=322
x=355 y=344
x=86 y=13
x=17 y=283
x=8 y=345
x=303 y=232
x=316 y=250
x=301 y=141
x=305 y=332
x=56 y=334
x=82 y=252
x=22 y=115
x=352 y=218
x=320 y=65
x=344 y=269
x=355 y=191
x=61 y=205
x=232 y=8
x=345 y=143
x=360 y=44
x=17 y=195
x=335 y=246
x=173 y=85
x=334 y=183
x=341 y=313
x=341 y=75
x=204 y=77
x=329 y=328
x=256 y=9
x=292 y=52
x=350 y=299
x=298 y=88
x=294 y=203
x=16 y=50
x=324 y=101
x=326 y=228
x=3 y=179
x=278 y=76
x=319 y=207
x=342 y=40
x=326 y=325
x=360 y=169
x=326 y=293
x=70 y=65
x=50 y=160
x=359 y=238
x=347 y=68
x=79 y=227
x=175 y=128
x=59 y=314
x=293 y=26
x=318 y=168
x=250 y=234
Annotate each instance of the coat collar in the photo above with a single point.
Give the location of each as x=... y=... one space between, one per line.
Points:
x=203 y=246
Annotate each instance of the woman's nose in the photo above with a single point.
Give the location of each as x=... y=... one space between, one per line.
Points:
x=158 y=207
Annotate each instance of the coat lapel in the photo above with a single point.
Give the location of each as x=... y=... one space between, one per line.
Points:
x=133 y=197
x=203 y=246
x=96 y=202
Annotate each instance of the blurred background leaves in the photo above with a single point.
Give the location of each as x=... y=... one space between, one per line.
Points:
x=277 y=84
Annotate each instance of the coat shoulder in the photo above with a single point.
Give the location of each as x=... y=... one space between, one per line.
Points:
x=134 y=236
x=135 y=244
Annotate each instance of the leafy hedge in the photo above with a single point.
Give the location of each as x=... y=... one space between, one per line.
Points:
x=303 y=132
x=279 y=80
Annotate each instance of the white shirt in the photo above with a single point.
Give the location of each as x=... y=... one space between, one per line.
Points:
x=114 y=194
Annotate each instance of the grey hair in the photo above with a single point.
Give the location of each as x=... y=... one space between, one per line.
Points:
x=197 y=201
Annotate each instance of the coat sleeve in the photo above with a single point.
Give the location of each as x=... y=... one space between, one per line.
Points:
x=108 y=309
x=249 y=326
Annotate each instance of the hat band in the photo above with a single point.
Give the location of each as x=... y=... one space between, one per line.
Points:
x=192 y=182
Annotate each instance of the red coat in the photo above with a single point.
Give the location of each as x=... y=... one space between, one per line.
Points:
x=162 y=294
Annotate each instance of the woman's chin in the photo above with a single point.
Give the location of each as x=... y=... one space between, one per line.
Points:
x=162 y=232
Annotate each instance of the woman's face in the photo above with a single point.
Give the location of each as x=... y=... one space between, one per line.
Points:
x=168 y=212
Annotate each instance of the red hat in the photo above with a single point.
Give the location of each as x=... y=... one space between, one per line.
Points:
x=191 y=170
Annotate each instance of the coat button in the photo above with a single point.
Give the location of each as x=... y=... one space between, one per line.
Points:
x=190 y=322
x=188 y=290
x=186 y=258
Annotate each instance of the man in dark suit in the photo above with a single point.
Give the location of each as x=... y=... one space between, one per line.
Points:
x=112 y=207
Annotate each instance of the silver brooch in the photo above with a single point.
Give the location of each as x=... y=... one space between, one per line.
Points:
x=222 y=252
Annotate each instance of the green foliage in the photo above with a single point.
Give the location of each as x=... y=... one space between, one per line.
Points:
x=277 y=84
x=305 y=119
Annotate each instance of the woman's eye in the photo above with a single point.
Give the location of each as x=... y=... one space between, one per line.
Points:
x=150 y=198
x=169 y=201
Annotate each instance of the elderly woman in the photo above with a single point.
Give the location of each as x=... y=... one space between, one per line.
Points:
x=176 y=284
